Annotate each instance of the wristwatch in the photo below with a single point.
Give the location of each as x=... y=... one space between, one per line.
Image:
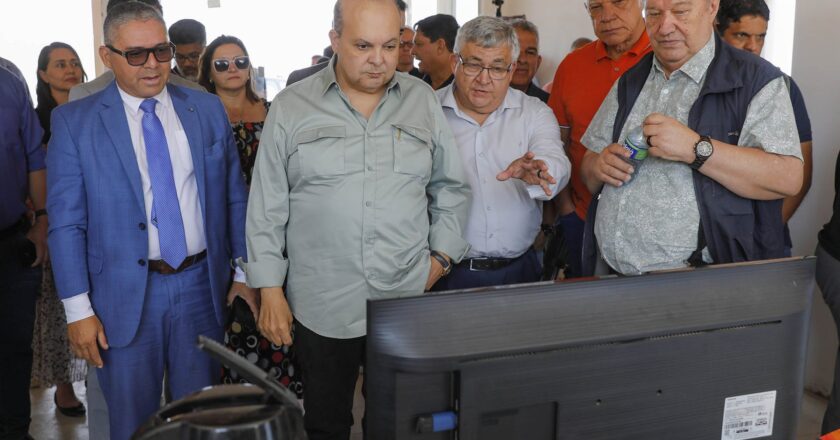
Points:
x=703 y=149
x=447 y=266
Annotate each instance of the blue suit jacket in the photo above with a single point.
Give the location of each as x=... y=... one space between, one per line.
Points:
x=98 y=238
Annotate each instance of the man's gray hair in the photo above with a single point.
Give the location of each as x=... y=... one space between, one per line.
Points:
x=488 y=32
x=524 y=25
x=126 y=12
x=338 y=20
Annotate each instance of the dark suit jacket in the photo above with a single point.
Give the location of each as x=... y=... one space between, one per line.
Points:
x=300 y=74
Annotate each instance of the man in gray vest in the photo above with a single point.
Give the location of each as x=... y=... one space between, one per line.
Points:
x=723 y=151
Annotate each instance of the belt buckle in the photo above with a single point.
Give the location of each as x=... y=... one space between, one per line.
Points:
x=472 y=260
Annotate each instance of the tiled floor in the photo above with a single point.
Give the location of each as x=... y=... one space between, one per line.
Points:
x=47 y=424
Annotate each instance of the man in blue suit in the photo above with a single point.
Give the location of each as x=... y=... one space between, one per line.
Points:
x=147 y=204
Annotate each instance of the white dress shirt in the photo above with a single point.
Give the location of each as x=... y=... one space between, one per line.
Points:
x=505 y=216
x=78 y=307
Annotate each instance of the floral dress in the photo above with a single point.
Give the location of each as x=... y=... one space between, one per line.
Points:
x=247 y=136
x=52 y=361
x=241 y=333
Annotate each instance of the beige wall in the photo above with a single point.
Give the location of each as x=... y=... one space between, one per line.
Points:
x=816 y=75
x=560 y=22
x=98 y=12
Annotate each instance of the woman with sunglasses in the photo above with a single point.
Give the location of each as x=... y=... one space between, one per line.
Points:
x=224 y=69
x=59 y=69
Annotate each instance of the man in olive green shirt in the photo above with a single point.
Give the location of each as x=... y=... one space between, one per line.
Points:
x=358 y=192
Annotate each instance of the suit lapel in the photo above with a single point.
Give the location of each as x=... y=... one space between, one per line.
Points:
x=188 y=115
x=116 y=124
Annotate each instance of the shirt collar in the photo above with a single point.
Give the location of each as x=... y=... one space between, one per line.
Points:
x=513 y=99
x=133 y=102
x=638 y=48
x=328 y=78
x=696 y=67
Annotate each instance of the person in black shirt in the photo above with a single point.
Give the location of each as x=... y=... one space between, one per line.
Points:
x=529 y=59
x=434 y=42
x=828 y=278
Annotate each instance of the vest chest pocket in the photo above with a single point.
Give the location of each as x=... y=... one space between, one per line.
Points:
x=412 y=150
x=321 y=150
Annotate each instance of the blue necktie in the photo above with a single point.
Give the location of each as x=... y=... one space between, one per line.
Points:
x=166 y=212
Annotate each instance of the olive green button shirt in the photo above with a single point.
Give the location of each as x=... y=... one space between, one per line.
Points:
x=345 y=209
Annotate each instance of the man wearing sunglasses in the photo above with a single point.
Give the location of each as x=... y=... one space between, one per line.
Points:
x=357 y=193
x=512 y=154
x=102 y=81
x=148 y=208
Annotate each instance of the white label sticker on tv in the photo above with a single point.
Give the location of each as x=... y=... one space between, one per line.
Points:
x=749 y=416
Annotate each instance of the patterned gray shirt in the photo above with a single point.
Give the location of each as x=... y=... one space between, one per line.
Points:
x=652 y=222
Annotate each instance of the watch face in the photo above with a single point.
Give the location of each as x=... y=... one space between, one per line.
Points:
x=704 y=149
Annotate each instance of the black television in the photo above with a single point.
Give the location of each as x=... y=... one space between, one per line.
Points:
x=711 y=353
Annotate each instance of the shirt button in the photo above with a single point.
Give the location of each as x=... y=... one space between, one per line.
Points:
x=371 y=275
x=370 y=168
x=480 y=154
x=142 y=226
x=489 y=209
x=368 y=204
x=490 y=236
x=615 y=68
x=141 y=262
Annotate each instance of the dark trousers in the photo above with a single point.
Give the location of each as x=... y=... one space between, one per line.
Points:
x=572 y=229
x=330 y=369
x=19 y=285
x=828 y=278
x=525 y=269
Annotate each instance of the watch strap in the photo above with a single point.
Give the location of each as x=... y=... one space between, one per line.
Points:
x=447 y=265
x=698 y=159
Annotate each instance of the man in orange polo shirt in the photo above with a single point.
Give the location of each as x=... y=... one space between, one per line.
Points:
x=582 y=81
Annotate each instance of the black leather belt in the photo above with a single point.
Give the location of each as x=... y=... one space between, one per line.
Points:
x=162 y=267
x=485 y=263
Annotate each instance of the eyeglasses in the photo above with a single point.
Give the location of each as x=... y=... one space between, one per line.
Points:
x=475 y=69
x=596 y=8
x=222 y=65
x=138 y=57
x=408 y=44
x=192 y=56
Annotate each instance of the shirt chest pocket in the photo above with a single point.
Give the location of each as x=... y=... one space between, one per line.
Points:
x=412 y=150
x=321 y=150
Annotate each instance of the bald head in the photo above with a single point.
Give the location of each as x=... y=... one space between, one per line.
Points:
x=366 y=40
x=343 y=8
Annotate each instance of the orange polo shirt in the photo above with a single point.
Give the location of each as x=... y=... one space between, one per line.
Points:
x=581 y=83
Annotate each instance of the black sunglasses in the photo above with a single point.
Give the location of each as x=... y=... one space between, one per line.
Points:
x=138 y=57
x=222 y=65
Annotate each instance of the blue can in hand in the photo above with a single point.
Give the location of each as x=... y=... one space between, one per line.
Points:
x=636 y=144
